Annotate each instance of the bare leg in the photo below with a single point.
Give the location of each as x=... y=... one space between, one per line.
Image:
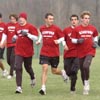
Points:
x=44 y=79
x=1 y=65
x=56 y=71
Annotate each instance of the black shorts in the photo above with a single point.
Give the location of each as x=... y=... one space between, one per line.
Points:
x=1 y=53
x=53 y=61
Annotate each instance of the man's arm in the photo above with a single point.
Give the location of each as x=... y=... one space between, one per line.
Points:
x=95 y=42
x=29 y=35
x=77 y=41
x=39 y=39
x=3 y=40
x=32 y=37
x=61 y=40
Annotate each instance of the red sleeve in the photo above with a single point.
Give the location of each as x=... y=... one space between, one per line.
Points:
x=95 y=33
x=16 y=29
x=64 y=33
x=33 y=30
x=41 y=28
x=5 y=29
x=59 y=33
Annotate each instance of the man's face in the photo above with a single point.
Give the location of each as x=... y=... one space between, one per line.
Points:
x=12 y=19
x=74 y=21
x=49 y=20
x=85 y=20
x=22 y=21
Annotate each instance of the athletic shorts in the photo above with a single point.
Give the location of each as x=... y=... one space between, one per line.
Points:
x=53 y=61
x=1 y=53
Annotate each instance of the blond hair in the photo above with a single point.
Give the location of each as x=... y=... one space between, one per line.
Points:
x=85 y=13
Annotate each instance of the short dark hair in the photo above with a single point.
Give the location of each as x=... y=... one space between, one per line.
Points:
x=13 y=15
x=0 y=15
x=74 y=15
x=48 y=14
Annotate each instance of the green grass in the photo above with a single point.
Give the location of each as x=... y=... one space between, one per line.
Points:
x=56 y=88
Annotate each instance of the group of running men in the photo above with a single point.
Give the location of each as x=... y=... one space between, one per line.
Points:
x=79 y=42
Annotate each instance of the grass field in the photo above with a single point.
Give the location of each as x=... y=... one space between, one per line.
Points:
x=56 y=88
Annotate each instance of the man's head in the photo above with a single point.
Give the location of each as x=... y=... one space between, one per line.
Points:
x=13 y=18
x=85 y=18
x=74 y=19
x=22 y=19
x=49 y=19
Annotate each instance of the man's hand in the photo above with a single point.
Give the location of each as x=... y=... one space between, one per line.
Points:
x=80 y=40
x=24 y=33
x=37 y=43
x=13 y=40
x=56 y=41
x=1 y=45
x=95 y=45
x=66 y=47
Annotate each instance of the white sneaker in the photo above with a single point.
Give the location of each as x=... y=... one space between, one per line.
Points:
x=72 y=92
x=18 y=90
x=9 y=77
x=64 y=76
x=85 y=92
x=42 y=92
x=4 y=73
x=87 y=86
x=33 y=82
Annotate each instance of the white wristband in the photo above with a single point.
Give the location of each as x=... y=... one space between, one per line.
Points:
x=95 y=39
x=74 y=40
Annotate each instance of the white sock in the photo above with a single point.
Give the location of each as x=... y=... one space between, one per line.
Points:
x=19 y=87
x=43 y=87
x=86 y=82
x=64 y=73
x=4 y=70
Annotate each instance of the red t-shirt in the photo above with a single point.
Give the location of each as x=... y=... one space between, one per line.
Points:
x=72 y=51
x=49 y=34
x=10 y=33
x=24 y=45
x=2 y=29
x=88 y=33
